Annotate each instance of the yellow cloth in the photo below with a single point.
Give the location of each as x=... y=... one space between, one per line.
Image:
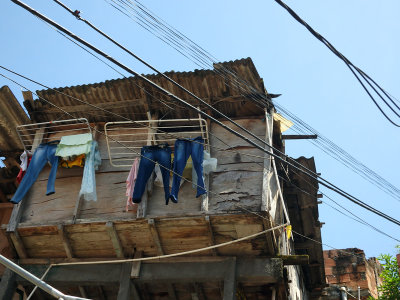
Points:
x=79 y=161
x=289 y=231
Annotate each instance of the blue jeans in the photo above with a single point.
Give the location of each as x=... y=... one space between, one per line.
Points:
x=150 y=155
x=184 y=149
x=44 y=153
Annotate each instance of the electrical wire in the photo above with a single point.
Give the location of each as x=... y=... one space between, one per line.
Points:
x=354 y=69
x=348 y=161
x=321 y=180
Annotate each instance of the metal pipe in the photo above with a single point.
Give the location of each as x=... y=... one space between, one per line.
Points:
x=343 y=293
x=35 y=280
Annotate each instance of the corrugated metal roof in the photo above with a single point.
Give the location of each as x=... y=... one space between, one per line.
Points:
x=128 y=98
x=11 y=115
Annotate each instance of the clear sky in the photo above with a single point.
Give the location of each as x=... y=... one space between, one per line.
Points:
x=314 y=84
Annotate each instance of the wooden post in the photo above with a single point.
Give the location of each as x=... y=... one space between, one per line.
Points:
x=119 y=251
x=64 y=238
x=8 y=284
x=125 y=282
x=230 y=280
x=156 y=238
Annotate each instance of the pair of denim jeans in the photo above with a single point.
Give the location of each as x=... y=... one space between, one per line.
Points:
x=44 y=153
x=183 y=149
x=150 y=155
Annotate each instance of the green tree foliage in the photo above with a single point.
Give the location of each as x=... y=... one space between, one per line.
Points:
x=390 y=288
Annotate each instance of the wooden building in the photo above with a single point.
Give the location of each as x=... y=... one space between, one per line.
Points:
x=246 y=196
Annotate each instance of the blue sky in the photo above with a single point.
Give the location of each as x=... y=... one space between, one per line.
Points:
x=314 y=84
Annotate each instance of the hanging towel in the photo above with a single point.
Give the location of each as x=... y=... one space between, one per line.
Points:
x=92 y=163
x=130 y=182
x=76 y=144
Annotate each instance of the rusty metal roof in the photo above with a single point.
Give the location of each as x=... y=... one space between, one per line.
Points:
x=128 y=98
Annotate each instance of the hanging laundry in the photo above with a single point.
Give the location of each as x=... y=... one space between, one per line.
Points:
x=92 y=163
x=25 y=158
x=130 y=183
x=77 y=161
x=184 y=149
x=187 y=173
x=209 y=165
x=44 y=153
x=76 y=144
x=150 y=155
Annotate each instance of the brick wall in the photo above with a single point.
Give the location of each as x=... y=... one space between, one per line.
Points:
x=350 y=268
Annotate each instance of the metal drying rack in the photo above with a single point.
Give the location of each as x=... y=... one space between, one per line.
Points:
x=31 y=135
x=125 y=139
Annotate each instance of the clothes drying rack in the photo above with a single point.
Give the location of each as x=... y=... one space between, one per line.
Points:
x=31 y=135
x=125 y=139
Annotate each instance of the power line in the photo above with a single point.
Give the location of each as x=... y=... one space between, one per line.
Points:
x=319 y=179
x=354 y=69
x=322 y=142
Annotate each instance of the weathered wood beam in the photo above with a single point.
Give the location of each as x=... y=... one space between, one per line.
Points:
x=77 y=208
x=64 y=238
x=124 y=292
x=155 y=236
x=135 y=272
x=18 y=244
x=299 y=137
x=8 y=284
x=210 y=233
x=116 y=242
x=230 y=280
x=82 y=291
x=294 y=259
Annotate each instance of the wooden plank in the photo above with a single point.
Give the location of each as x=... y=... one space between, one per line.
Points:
x=18 y=244
x=230 y=280
x=299 y=136
x=119 y=251
x=155 y=236
x=211 y=235
x=64 y=238
x=82 y=291
x=125 y=282
x=135 y=272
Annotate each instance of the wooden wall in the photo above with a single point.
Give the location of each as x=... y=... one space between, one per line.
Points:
x=238 y=180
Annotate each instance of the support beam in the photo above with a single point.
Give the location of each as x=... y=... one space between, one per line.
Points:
x=18 y=244
x=251 y=270
x=230 y=280
x=64 y=238
x=155 y=236
x=119 y=251
x=125 y=282
x=211 y=235
x=101 y=293
x=82 y=291
x=135 y=272
x=8 y=284
x=299 y=137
